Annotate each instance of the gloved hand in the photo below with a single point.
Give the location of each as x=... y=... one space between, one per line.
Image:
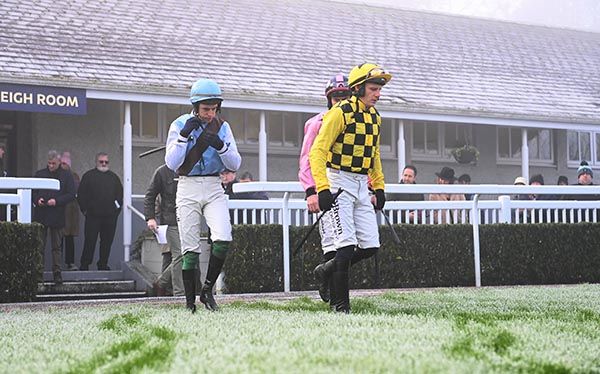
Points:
x=213 y=140
x=380 y=195
x=190 y=125
x=325 y=200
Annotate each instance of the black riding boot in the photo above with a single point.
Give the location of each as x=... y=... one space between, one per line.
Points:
x=341 y=304
x=189 y=286
x=340 y=296
x=215 y=265
x=323 y=274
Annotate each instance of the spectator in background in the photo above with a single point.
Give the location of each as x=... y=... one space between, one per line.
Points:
x=71 y=229
x=537 y=180
x=50 y=208
x=164 y=184
x=228 y=179
x=3 y=172
x=537 y=215
x=465 y=179
x=259 y=195
x=562 y=181
x=519 y=181
x=585 y=176
x=409 y=176
x=445 y=176
x=100 y=198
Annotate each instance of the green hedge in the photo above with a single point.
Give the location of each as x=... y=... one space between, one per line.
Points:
x=21 y=261
x=429 y=256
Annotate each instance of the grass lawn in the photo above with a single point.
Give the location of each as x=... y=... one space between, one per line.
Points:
x=523 y=329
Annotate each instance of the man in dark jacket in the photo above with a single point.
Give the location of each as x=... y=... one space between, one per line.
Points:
x=585 y=176
x=50 y=208
x=164 y=183
x=100 y=198
x=409 y=176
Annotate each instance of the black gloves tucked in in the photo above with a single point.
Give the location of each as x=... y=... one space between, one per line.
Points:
x=190 y=125
x=380 y=195
x=213 y=140
x=325 y=200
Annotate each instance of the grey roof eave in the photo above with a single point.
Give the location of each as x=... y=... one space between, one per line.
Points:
x=178 y=95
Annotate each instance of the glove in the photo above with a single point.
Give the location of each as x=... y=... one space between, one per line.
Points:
x=213 y=140
x=380 y=195
x=190 y=125
x=325 y=200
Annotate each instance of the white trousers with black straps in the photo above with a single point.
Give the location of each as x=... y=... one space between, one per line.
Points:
x=352 y=216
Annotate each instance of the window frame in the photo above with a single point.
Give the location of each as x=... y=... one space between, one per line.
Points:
x=517 y=161
x=162 y=123
x=391 y=152
x=593 y=144
x=443 y=152
x=282 y=147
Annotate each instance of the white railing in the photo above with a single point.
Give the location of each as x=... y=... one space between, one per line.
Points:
x=503 y=210
x=289 y=212
x=22 y=198
x=292 y=212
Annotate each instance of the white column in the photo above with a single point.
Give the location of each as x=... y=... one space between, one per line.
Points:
x=524 y=154
x=401 y=146
x=127 y=149
x=262 y=148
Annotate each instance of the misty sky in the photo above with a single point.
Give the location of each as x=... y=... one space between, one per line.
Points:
x=572 y=14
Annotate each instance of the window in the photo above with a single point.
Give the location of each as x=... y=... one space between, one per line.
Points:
x=244 y=123
x=539 y=142
x=150 y=121
x=583 y=146
x=284 y=129
x=435 y=140
x=386 y=135
x=144 y=121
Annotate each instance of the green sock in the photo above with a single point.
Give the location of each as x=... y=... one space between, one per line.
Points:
x=220 y=249
x=190 y=260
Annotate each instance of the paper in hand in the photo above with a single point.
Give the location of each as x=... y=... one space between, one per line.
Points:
x=161 y=234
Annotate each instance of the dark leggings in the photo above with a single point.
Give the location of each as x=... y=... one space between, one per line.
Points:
x=69 y=249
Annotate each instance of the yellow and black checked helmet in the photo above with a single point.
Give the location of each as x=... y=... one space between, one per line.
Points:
x=368 y=72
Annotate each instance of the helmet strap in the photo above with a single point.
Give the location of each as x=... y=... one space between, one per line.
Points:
x=360 y=92
x=196 y=106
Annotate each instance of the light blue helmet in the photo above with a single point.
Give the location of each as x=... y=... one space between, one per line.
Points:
x=205 y=89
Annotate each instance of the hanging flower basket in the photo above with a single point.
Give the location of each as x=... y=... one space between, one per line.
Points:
x=466 y=154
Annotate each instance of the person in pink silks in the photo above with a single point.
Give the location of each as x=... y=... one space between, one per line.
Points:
x=337 y=89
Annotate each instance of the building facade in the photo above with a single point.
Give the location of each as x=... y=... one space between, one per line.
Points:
x=527 y=97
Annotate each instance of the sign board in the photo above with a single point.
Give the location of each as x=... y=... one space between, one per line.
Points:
x=28 y=98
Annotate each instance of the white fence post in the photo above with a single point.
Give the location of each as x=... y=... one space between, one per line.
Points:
x=504 y=215
x=24 y=208
x=286 y=242
x=476 y=256
x=127 y=187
